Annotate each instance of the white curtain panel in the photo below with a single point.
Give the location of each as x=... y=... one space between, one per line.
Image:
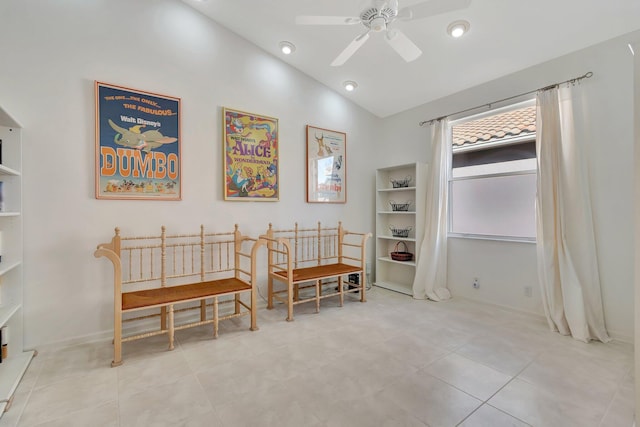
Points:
x=566 y=246
x=430 y=280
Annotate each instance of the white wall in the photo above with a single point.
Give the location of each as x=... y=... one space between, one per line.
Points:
x=505 y=268
x=51 y=54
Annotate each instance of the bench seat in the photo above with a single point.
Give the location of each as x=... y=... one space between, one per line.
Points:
x=158 y=297
x=327 y=271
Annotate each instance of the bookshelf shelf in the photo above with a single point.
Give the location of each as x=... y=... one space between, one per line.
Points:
x=390 y=274
x=17 y=360
x=8 y=171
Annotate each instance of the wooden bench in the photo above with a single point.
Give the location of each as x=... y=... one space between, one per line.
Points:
x=161 y=271
x=316 y=258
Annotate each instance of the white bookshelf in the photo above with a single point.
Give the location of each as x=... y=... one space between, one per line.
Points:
x=11 y=273
x=391 y=274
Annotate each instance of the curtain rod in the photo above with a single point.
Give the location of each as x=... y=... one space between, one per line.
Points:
x=570 y=81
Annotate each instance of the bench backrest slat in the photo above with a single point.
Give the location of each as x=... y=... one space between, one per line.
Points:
x=309 y=246
x=164 y=259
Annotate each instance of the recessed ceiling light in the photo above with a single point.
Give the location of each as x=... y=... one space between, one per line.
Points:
x=458 y=28
x=350 y=86
x=287 y=47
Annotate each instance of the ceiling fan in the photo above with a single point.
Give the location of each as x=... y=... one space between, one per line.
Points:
x=379 y=17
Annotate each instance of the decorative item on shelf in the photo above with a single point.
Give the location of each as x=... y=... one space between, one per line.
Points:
x=400 y=183
x=398 y=255
x=400 y=207
x=399 y=231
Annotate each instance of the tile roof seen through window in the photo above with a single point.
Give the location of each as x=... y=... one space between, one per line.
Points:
x=499 y=126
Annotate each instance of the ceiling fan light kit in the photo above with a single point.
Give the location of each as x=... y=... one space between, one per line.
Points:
x=380 y=16
x=378 y=24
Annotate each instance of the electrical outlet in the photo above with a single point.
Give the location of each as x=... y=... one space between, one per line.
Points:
x=476 y=284
x=528 y=291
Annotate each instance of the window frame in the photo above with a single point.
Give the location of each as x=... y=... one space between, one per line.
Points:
x=485 y=146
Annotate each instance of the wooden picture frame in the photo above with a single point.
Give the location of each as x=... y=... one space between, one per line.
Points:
x=250 y=152
x=137 y=144
x=326 y=165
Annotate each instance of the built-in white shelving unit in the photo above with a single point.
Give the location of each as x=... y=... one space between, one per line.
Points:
x=17 y=361
x=390 y=274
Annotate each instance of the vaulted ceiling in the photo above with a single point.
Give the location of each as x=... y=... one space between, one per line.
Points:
x=505 y=36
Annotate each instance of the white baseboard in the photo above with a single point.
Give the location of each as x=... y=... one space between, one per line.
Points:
x=140 y=326
x=615 y=335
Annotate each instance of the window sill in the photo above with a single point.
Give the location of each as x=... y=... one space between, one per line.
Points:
x=529 y=240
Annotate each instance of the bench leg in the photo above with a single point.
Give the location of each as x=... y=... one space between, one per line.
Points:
x=163 y=318
x=363 y=287
x=296 y=292
x=215 y=317
x=237 y=303
x=117 y=337
x=340 y=291
x=270 y=294
x=171 y=329
x=254 y=310
x=318 y=288
x=203 y=310
x=290 y=302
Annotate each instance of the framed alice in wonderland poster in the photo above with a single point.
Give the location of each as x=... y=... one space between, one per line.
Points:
x=137 y=144
x=250 y=156
x=326 y=166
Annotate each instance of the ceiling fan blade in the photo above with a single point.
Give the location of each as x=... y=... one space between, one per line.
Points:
x=350 y=49
x=327 y=20
x=401 y=44
x=431 y=8
x=380 y=4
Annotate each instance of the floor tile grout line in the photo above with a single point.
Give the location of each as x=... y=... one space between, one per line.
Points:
x=504 y=412
x=537 y=387
x=486 y=402
x=613 y=398
x=494 y=368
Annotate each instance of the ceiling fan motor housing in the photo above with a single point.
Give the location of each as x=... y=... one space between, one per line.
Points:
x=377 y=20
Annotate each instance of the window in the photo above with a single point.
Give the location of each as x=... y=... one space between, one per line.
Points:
x=492 y=184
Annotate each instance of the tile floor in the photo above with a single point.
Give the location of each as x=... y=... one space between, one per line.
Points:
x=392 y=361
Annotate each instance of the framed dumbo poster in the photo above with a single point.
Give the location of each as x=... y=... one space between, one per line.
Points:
x=137 y=144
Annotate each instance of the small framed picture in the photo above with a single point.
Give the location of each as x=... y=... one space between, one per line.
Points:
x=326 y=166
